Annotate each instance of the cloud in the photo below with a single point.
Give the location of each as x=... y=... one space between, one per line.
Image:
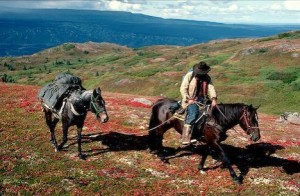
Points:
x=293 y=5
x=64 y=4
x=228 y=11
x=121 y=5
x=276 y=7
x=233 y=8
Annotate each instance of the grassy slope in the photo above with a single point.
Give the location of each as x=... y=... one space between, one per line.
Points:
x=118 y=162
x=259 y=71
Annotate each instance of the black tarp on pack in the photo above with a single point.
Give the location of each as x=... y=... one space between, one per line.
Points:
x=53 y=93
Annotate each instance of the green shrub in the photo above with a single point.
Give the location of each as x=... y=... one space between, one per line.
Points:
x=296 y=85
x=289 y=35
x=216 y=60
x=285 y=77
x=68 y=47
x=7 y=78
x=144 y=73
x=267 y=39
x=133 y=61
x=263 y=50
x=147 y=54
x=9 y=67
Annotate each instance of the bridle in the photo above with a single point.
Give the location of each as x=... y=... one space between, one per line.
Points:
x=246 y=121
x=94 y=108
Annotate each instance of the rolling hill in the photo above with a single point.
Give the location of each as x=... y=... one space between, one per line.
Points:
x=262 y=71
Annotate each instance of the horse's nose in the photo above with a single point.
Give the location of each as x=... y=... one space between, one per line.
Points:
x=255 y=137
x=105 y=119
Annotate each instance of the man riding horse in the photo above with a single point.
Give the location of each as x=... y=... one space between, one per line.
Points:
x=196 y=88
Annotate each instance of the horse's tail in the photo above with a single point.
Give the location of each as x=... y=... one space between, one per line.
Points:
x=154 y=138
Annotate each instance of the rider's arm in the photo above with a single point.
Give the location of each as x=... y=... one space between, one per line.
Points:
x=212 y=94
x=184 y=88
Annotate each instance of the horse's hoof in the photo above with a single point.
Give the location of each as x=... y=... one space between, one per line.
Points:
x=237 y=180
x=164 y=160
x=153 y=151
x=82 y=156
x=202 y=172
x=201 y=169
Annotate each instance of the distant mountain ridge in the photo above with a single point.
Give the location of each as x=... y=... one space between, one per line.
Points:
x=26 y=31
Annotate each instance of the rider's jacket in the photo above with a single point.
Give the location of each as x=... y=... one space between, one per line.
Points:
x=192 y=88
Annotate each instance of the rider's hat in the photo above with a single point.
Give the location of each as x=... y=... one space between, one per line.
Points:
x=201 y=68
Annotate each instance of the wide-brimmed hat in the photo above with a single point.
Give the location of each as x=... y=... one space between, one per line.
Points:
x=201 y=68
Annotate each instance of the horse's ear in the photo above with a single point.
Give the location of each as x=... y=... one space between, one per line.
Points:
x=98 y=90
x=95 y=92
x=256 y=108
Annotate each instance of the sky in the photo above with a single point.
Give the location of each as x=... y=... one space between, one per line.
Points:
x=224 y=11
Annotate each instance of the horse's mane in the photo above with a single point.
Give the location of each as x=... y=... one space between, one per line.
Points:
x=86 y=93
x=232 y=112
x=80 y=95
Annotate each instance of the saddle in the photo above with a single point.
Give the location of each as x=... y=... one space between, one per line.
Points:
x=178 y=111
x=53 y=94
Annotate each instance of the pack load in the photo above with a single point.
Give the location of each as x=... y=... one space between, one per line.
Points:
x=53 y=93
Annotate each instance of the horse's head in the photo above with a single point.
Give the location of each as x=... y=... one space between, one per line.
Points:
x=97 y=106
x=249 y=122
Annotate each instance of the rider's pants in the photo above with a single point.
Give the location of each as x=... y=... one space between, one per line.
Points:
x=192 y=114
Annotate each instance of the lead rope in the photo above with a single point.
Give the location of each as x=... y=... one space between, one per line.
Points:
x=161 y=124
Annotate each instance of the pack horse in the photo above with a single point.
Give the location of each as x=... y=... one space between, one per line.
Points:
x=65 y=99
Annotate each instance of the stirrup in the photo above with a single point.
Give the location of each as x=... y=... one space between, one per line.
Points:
x=186 y=143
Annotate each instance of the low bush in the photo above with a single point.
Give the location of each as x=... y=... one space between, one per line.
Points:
x=68 y=47
x=144 y=73
x=285 y=77
x=296 y=85
x=289 y=35
x=8 y=79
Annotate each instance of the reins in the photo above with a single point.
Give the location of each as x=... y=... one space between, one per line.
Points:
x=224 y=116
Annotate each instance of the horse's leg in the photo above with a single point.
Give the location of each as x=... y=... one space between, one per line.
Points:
x=153 y=141
x=155 y=135
x=203 y=159
x=65 y=128
x=79 y=130
x=219 y=150
x=51 y=124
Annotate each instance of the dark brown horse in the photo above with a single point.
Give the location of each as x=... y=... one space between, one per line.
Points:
x=73 y=111
x=223 y=117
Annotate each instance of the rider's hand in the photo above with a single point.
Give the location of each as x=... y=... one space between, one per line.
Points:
x=191 y=101
x=213 y=103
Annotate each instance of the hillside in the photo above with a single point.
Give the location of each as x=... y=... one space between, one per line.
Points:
x=264 y=71
x=118 y=162
x=26 y=31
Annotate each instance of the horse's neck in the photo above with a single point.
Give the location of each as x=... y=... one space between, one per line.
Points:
x=232 y=114
x=80 y=100
x=86 y=97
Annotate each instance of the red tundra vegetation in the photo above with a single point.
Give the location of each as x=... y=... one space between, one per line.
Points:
x=119 y=163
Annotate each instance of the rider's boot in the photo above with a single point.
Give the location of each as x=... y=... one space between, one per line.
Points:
x=186 y=134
